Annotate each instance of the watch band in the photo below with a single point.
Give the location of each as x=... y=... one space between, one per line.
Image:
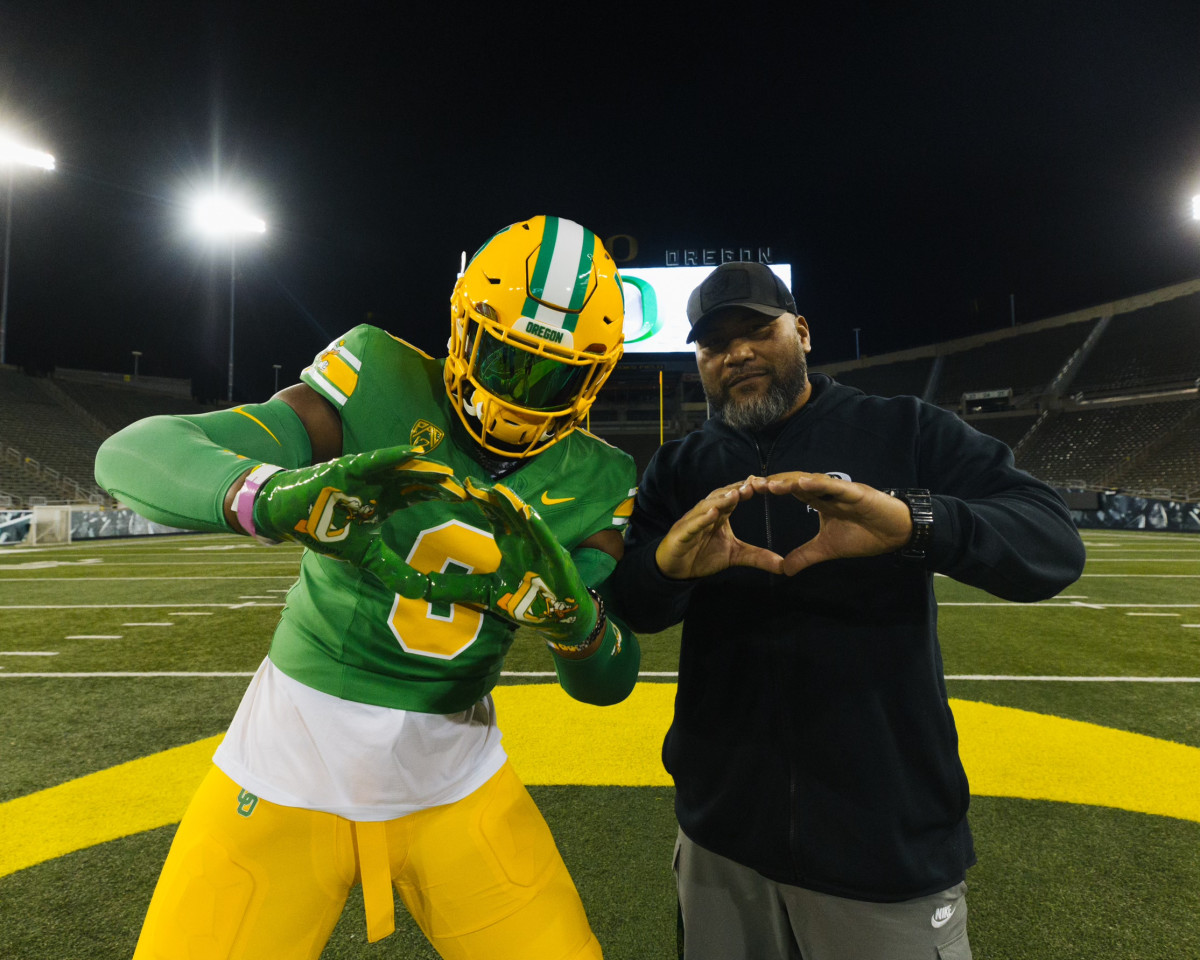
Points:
x=920 y=508
x=243 y=502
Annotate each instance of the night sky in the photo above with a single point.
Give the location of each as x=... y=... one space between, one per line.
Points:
x=916 y=163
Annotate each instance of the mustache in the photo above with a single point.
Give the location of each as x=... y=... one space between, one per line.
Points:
x=745 y=374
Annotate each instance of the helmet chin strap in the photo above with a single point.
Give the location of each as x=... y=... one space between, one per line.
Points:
x=469 y=407
x=495 y=465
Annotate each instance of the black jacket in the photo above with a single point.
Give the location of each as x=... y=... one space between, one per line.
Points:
x=812 y=737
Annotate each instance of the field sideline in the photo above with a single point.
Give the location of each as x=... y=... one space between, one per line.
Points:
x=1079 y=721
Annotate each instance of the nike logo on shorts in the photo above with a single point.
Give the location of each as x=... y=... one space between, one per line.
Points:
x=941 y=916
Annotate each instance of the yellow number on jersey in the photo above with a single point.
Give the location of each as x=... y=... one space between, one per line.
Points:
x=443 y=630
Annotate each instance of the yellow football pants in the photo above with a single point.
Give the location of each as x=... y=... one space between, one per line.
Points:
x=249 y=879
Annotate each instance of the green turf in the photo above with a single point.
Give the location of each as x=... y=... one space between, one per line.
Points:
x=1053 y=881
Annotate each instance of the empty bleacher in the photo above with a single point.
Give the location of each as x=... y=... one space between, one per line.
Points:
x=1094 y=447
x=902 y=378
x=1026 y=364
x=1008 y=428
x=1154 y=347
x=43 y=435
x=51 y=428
x=115 y=406
x=1172 y=469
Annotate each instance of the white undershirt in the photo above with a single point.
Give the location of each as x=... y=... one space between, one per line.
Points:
x=298 y=747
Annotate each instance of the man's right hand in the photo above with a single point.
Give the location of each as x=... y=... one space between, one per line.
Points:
x=702 y=542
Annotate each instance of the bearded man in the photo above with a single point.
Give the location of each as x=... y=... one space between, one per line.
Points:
x=821 y=801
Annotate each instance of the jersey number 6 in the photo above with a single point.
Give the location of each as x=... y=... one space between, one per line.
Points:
x=443 y=630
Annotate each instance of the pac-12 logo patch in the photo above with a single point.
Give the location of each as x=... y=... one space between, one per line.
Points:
x=425 y=434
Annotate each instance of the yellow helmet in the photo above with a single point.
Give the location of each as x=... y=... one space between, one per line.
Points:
x=537 y=322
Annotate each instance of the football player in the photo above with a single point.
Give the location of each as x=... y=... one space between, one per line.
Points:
x=443 y=502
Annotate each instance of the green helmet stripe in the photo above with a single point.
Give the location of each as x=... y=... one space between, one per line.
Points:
x=563 y=269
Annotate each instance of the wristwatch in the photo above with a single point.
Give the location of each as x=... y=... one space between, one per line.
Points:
x=920 y=508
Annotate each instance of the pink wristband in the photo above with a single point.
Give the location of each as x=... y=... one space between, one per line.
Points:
x=243 y=502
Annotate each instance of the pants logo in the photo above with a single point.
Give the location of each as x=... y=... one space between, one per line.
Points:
x=246 y=803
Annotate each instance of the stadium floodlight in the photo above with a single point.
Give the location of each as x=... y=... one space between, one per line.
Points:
x=13 y=155
x=219 y=216
x=1196 y=207
x=222 y=217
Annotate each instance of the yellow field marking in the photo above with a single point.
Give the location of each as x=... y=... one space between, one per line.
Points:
x=125 y=799
x=1007 y=753
x=1018 y=753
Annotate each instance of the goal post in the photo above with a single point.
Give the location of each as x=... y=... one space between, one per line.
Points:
x=51 y=524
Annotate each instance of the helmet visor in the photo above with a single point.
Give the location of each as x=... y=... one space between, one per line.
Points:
x=526 y=379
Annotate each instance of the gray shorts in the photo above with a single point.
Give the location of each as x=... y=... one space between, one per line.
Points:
x=730 y=912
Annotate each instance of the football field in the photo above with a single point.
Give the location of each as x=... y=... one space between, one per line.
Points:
x=121 y=662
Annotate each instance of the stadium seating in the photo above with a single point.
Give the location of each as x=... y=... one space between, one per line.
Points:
x=1026 y=364
x=51 y=428
x=1098 y=446
x=1007 y=428
x=903 y=378
x=1150 y=348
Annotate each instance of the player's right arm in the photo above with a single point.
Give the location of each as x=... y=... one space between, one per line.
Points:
x=186 y=470
x=262 y=470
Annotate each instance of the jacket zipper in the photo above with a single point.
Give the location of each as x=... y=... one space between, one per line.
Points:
x=762 y=469
x=763 y=462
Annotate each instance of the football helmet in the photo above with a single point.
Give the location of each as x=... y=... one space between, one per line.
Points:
x=537 y=325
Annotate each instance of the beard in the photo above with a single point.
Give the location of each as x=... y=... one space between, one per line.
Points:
x=759 y=410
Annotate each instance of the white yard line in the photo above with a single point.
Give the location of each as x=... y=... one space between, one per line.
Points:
x=996 y=676
x=249 y=576
x=108 y=564
x=131 y=606
x=1047 y=605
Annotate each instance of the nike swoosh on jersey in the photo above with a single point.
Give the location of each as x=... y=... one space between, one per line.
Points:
x=551 y=501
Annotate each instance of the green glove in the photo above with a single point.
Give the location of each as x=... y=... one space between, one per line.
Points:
x=337 y=508
x=536 y=585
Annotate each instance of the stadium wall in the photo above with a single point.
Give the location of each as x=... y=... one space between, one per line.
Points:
x=84 y=523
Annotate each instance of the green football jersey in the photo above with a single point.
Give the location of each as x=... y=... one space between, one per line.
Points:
x=341 y=631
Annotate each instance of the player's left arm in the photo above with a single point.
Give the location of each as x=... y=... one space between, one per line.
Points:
x=607 y=672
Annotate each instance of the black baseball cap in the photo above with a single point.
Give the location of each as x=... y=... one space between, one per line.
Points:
x=738 y=284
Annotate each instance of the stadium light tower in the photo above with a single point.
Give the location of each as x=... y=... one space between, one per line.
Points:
x=13 y=155
x=220 y=217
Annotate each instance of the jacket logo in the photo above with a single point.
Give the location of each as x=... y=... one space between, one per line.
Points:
x=425 y=434
x=837 y=475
